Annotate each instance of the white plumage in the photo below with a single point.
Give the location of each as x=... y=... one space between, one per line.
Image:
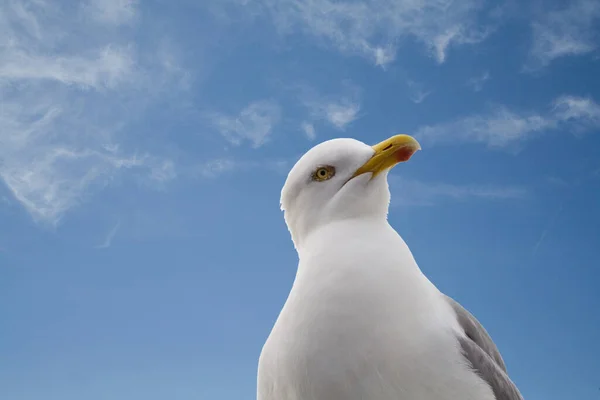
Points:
x=362 y=322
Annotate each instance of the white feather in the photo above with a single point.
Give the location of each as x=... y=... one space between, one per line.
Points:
x=361 y=320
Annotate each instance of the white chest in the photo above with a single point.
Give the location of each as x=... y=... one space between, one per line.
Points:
x=352 y=329
x=338 y=347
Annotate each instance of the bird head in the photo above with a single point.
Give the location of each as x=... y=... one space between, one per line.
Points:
x=341 y=179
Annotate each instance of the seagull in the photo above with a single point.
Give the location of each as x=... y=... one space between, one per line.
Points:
x=361 y=321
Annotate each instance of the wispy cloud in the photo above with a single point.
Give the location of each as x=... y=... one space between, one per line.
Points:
x=409 y=192
x=116 y=12
x=254 y=123
x=569 y=187
x=217 y=167
x=477 y=82
x=309 y=130
x=374 y=28
x=338 y=110
x=63 y=83
x=417 y=92
x=546 y=230
x=582 y=112
x=109 y=236
x=503 y=127
x=341 y=114
x=106 y=67
x=569 y=31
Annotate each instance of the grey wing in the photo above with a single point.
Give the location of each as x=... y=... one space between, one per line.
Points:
x=479 y=349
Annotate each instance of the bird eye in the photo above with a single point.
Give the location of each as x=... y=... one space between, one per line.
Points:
x=323 y=173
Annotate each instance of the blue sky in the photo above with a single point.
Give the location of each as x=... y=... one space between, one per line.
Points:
x=143 y=146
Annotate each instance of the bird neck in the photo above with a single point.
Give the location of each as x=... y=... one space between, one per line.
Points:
x=341 y=233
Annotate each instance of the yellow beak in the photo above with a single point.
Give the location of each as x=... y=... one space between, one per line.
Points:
x=397 y=149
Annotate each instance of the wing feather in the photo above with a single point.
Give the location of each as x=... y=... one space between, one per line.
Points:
x=483 y=355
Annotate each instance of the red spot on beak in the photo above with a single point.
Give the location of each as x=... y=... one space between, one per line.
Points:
x=404 y=153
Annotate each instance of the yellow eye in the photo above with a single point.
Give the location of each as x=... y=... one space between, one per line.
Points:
x=323 y=173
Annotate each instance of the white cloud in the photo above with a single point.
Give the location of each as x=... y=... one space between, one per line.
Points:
x=569 y=31
x=50 y=157
x=162 y=171
x=373 y=28
x=309 y=130
x=109 y=237
x=409 y=192
x=103 y=68
x=253 y=123
x=384 y=56
x=477 y=82
x=417 y=93
x=216 y=167
x=337 y=110
x=341 y=114
x=581 y=111
x=68 y=92
x=503 y=127
x=419 y=97
x=116 y=12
